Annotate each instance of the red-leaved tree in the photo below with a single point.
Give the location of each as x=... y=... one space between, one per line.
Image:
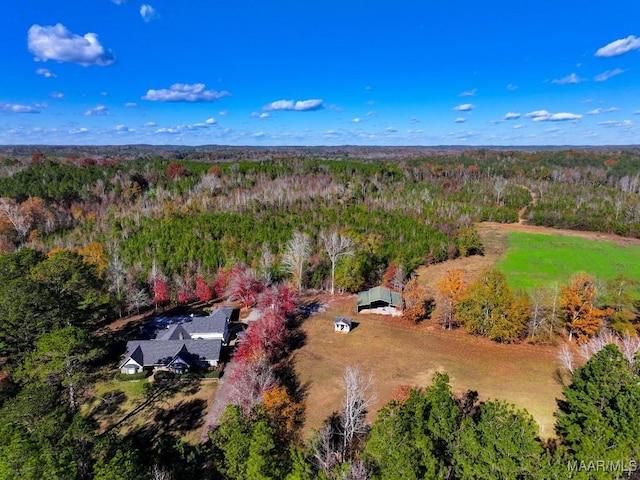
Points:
x=203 y=290
x=267 y=338
x=161 y=294
x=281 y=299
x=244 y=285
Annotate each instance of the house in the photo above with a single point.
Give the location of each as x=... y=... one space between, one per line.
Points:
x=175 y=355
x=182 y=346
x=342 y=325
x=380 y=300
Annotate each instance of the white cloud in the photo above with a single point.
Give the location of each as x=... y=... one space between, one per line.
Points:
x=460 y=120
x=511 y=87
x=223 y=113
x=210 y=121
x=601 y=77
x=390 y=130
x=131 y=105
x=465 y=107
x=414 y=120
x=598 y=111
x=469 y=93
x=150 y=124
x=260 y=115
x=79 y=131
x=123 y=129
x=169 y=130
x=615 y=123
x=618 y=47
x=545 y=116
x=57 y=95
x=17 y=108
x=290 y=105
x=512 y=116
x=183 y=92
x=148 y=13
x=356 y=120
x=118 y=2
x=45 y=72
x=518 y=126
x=568 y=80
x=58 y=43
x=96 y=111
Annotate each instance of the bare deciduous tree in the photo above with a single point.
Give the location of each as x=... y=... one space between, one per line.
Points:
x=498 y=187
x=336 y=246
x=566 y=358
x=296 y=255
x=358 y=398
x=160 y=473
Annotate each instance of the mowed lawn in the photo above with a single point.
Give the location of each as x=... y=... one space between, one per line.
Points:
x=537 y=260
x=399 y=353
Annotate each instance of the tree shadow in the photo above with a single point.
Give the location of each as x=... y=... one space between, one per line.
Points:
x=286 y=373
x=183 y=417
x=110 y=403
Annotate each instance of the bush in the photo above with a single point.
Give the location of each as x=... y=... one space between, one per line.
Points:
x=128 y=377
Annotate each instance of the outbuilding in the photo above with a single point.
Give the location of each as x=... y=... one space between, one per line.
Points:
x=380 y=300
x=342 y=325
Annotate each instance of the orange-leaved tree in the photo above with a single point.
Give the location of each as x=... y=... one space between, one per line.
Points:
x=417 y=305
x=578 y=299
x=452 y=288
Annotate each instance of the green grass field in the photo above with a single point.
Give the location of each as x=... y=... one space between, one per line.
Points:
x=534 y=260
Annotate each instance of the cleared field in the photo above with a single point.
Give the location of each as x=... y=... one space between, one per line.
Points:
x=533 y=260
x=399 y=353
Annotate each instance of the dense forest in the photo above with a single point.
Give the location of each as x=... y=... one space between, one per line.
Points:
x=89 y=235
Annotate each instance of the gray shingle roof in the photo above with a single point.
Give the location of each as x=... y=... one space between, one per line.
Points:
x=214 y=323
x=161 y=352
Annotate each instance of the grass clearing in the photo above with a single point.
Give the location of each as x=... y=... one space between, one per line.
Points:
x=537 y=260
x=179 y=408
x=399 y=353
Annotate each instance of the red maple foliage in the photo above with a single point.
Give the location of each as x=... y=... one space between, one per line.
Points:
x=161 y=293
x=282 y=300
x=175 y=171
x=244 y=285
x=203 y=290
x=266 y=339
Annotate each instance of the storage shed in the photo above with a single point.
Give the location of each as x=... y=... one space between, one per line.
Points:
x=342 y=325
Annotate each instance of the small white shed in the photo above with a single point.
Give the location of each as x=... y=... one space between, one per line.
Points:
x=342 y=325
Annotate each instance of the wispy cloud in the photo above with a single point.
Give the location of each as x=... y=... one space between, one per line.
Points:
x=260 y=115
x=465 y=107
x=123 y=129
x=598 y=111
x=618 y=47
x=545 y=116
x=460 y=120
x=57 y=95
x=356 y=120
x=150 y=124
x=58 y=43
x=210 y=121
x=148 y=13
x=294 y=106
x=469 y=93
x=17 y=108
x=183 y=92
x=96 y=111
x=118 y=2
x=511 y=87
x=601 y=77
x=512 y=116
x=390 y=130
x=131 y=105
x=45 y=72
x=615 y=123
x=568 y=80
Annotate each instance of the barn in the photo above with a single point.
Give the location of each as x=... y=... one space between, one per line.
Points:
x=380 y=300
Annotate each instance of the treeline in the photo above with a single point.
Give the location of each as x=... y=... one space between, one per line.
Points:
x=581 y=309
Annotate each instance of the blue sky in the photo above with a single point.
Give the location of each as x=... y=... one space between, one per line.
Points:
x=306 y=72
